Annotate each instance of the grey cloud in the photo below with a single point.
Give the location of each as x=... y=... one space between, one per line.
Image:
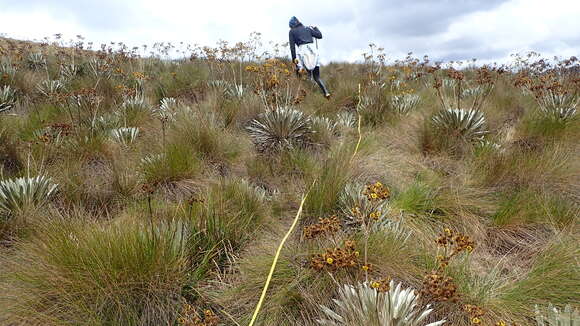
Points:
x=401 y=26
x=416 y=18
x=98 y=15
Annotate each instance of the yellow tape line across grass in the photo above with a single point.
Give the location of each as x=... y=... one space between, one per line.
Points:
x=273 y=267
x=359 y=124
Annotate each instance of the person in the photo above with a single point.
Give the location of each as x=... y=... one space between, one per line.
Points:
x=302 y=37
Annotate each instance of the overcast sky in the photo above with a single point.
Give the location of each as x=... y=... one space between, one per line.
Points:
x=445 y=29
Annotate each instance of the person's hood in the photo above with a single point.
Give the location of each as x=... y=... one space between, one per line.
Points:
x=293 y=22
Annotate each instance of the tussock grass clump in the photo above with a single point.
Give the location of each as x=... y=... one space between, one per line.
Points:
x=331 y=178
x=10 y=161
x=205 y=136
x=295 y=291
x=174 y=163
x=553 y=277
x=225 y=218
x=525 y=164
x=84 y=273
x=418 y=198
x=526 y=206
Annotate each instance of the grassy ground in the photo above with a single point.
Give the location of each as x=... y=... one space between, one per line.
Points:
x=176 y=180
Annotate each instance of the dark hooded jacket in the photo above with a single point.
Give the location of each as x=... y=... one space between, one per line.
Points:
x=299 y=34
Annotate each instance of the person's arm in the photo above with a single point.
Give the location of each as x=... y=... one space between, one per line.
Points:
x=315 y=32
x=292 y=45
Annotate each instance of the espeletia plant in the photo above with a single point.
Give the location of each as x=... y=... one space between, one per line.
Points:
x=48 y=88
x=403 y=104
x=7 y=98
x=559 y=107
x=280 y=129
x=167 y=109
x=346 y=119
x=27 y=192
x=470 y=124
x=7 y=69
x=364 y=305
x=552 y=316
x=355 y=206
x=35 y=61
x=125 y=135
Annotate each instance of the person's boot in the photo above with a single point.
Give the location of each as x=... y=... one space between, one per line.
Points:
x=324 y=90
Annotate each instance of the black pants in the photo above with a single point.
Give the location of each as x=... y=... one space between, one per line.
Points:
x=315 y=74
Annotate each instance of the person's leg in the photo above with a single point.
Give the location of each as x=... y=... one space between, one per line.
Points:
x=316 y=74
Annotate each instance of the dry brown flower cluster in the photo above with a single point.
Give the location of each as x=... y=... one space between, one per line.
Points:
x=371 y=211
x=272 y=82
x=455 y=74
x=376 y=192
x=336 y=258
x=453 y=243
x=475 y=313
x=382 y=285
x=325 y=226
x=190 y=317
x=438 y=287
x=54 y=131
x=299 y=97
x=271 y=74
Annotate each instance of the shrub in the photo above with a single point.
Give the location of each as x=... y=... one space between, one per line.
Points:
x=323 y=129
x=364 y=305
x=7 y=69
x=453 y=131
x=21 y=193
x=346 y=119
x=355 y=206
x=281 y=129
x=133 y=110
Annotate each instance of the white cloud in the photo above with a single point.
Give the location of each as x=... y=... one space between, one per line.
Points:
x=443 y=29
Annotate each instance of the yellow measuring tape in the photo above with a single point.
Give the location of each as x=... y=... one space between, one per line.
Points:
x=273 y=267
x=279 y=250
x=359 y=124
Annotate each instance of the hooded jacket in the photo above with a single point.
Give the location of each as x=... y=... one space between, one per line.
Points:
x=299 y=34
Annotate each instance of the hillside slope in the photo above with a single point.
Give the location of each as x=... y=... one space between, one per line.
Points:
x=138 y=191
